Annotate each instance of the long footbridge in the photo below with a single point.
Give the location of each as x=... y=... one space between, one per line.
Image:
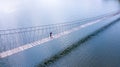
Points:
x=13 y=41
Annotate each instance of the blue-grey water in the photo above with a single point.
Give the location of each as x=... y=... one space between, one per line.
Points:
x=101 y=51
x=28 y=13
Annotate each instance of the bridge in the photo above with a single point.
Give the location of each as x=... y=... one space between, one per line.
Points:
x=13 y=41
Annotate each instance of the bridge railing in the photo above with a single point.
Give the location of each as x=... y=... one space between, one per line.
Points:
x=13 y=38
x=10 y=39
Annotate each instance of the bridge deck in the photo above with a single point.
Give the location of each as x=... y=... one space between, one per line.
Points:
x=39 y=42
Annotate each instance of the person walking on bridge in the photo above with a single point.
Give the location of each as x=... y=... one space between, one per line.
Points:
x=50 y=34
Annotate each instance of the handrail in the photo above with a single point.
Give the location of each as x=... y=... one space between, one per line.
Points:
x=60 y=23
x=21 y=36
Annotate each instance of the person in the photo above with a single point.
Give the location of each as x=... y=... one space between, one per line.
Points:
x=50 y=34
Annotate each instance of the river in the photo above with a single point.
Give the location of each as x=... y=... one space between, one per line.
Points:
x=30 y=13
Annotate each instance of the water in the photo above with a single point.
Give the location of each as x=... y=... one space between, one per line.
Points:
x=27 y=13
x=101 y=51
